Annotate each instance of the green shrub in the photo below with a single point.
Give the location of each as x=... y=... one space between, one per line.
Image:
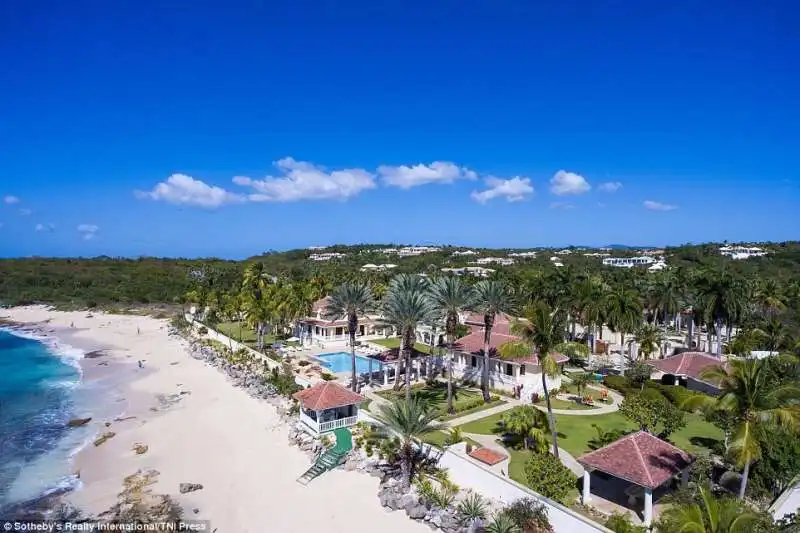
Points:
x=530 y=516
x=326 y=376
x=471 y=509
x=618 y=383
x=619 y=523
x=202 y=330
x=547 y=476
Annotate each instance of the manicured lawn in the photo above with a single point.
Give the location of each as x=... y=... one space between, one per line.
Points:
x=557 y=403
x=394 y=342
x=438 y=438
x=231 y=329
x=575 y=432
x=464 y=400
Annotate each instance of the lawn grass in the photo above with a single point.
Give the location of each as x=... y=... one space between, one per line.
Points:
x=575 y=432
x=438 y=439
x=572 y=405
x=436 y=397
x=231 y=329
x=394 y=342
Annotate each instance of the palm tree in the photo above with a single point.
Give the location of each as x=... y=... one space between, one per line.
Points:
x=774 y=334
x=492 y=297
x=754 y=402
x=350 y=300
x=449 y=297
x=405 y=306
x=410 y=420
x=649 y=339
x=529 y=423
x=770 y=296
x=623 y=311
x=723 y=297
x=540 y=332
x=255 y=284
x=709 y=515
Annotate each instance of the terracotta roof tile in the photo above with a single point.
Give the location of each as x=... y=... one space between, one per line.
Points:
x=320 y=305
x=327 y=395
x=485 y=455
x=640 y=458
x=392 y=354
x=473 y=343
x=690 y=364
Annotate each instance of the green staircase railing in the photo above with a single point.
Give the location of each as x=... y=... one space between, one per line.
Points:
x=331 y=458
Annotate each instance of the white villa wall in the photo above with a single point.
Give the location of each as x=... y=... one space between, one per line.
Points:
x=469 y=474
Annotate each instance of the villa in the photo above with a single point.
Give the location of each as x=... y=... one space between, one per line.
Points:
x=528 y=255
x=478 y=272
x=465 y=252
x=317 y=328
x=370 y=266
x=742 y=252
x=521 y=375
x=325 y=256
x=686 y=369
x=496 y=260
x=628 y=262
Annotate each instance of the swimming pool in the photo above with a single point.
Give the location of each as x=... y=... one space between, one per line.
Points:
x=341 y=362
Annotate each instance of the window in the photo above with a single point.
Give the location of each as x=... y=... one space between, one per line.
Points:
x=474 y=361
x=509 y=369
x=521 y=370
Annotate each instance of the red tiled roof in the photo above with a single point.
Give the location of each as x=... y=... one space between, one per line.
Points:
x=476 y=319
x=690 y=364
x=485 y=455
x=640 y=458
x=327 y=395
x=473 y=343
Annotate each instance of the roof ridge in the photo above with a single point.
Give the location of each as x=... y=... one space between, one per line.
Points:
x=641 y=458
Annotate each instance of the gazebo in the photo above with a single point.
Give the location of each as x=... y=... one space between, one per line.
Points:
x=641 y=459
x=327 y=406
x=391 y=359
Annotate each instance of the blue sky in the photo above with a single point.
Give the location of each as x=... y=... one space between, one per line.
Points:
x=228 y=128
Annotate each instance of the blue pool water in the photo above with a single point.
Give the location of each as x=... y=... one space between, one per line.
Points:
x=341 y=362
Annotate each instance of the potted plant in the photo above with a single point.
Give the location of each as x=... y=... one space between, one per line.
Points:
x=588 y=400
x=604 y=395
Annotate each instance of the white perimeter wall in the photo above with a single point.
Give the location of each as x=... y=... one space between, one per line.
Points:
x=467 y=473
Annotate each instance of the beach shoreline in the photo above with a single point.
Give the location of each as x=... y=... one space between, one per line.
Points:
x=198 y=428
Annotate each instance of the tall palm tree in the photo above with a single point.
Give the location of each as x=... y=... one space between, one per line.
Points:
x=774 y=334
x=755 y=402
x=492 y=297
x=350 y=300
x=449 y=297
x=540 y=332
x=709 y=515
x=770 y=297
x=649 y=339
x=255 y=284
x=723 y=297
x=623 y=311
x=410 y=420
x=405 y=306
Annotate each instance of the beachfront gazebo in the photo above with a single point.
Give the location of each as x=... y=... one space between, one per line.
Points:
x=391 y=359
x=641 y=461
x=327 y=406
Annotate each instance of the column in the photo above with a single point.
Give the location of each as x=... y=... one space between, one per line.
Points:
x=685 y=478
x=648 y=506
x=385 y=374
x=587 y=495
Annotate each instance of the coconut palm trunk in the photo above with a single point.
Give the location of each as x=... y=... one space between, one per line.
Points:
x=488 y=320
x=745 y=477
x=400 y=363
x=409 y=349
x=551 y=419
x=352 y=326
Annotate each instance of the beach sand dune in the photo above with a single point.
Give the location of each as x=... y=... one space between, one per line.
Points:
x=212 y=434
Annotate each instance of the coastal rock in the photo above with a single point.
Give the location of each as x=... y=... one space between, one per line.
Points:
x=140 y=448
x=77 y=422
x=416 y=512
x=183 y=488
x=104 y=437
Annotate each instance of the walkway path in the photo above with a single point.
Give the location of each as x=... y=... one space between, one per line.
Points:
x=616 y=399
x=461 y=420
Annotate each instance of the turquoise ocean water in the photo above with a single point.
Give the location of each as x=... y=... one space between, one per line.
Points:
x=39 y=384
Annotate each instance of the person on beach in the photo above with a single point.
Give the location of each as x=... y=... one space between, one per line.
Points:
x=137 y=330
x=140 y=364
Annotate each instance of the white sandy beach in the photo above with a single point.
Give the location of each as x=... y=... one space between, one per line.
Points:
x=217 y=436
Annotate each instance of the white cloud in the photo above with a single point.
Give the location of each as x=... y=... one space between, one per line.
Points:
x=610 y=186
x=406 y=177
x=513 y=190
x=564 y=182
x=658 y=206
x=11 y=200
x=88 y=231
x=25 y=211
x=43 y=227
x=561 y=205
x=39 y=227
x=181 y=189
x=305 y=181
